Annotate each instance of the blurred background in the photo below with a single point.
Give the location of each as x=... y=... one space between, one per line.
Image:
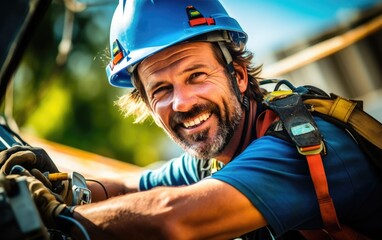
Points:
x=60 y=91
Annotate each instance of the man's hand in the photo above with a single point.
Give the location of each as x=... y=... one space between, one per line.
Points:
x=45 y=201
x=28 y=157
x=34 y=160
x=66 y=194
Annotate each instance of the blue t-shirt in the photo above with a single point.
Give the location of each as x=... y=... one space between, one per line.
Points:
x=275 y=178
x=176 y=172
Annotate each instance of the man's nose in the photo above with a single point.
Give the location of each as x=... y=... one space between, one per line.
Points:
x=184 y=99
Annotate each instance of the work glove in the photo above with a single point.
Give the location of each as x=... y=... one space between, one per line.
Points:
x=66 y=193
x=64 y=196
x=35 y=160
x=27 y=157
x=47 y=204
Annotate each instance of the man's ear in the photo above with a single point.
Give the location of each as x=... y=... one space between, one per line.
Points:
x=241 y=77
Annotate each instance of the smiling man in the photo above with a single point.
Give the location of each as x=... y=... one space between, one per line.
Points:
x=178 y=83
x=189 y=70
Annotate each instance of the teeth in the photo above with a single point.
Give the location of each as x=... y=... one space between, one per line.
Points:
x=197 y=120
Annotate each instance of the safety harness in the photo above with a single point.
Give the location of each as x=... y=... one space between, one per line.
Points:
x=289 y=116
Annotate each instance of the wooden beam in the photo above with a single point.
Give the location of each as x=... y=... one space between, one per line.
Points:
x=322 y=49
x=70 y=159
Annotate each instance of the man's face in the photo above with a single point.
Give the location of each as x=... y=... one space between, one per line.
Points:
x=191 y=96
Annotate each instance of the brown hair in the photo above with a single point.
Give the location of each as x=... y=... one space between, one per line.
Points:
x=136 y=104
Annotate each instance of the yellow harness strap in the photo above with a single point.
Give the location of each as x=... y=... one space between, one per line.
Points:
x=346 y=111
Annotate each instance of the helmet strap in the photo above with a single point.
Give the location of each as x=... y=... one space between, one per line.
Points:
x=242 y=99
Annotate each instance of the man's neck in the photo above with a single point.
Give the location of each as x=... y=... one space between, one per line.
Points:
x=242 y=136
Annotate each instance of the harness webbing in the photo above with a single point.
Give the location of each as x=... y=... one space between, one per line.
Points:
x=289 y=117
x=327 y=209
x=332 y=229
x=346 y=111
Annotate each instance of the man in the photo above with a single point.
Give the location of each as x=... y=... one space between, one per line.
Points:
x=189 y=69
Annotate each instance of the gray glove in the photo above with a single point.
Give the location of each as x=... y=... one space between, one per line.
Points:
x=27 y=157
x=45 y=201
x=34 y=160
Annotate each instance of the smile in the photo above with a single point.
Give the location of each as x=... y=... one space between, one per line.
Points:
x=195 y=122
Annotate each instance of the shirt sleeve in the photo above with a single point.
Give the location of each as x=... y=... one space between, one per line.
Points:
x=176 y=172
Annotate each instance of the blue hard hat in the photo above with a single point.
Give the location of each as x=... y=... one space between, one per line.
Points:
x=140 y=28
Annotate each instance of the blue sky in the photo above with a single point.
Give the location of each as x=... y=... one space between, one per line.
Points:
x=273 y=24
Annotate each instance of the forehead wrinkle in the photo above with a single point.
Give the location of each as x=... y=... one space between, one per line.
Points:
x=160 y=57
x=163 y=56
x=165 y=60
x=191 y=65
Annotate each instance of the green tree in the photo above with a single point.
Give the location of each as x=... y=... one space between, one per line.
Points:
x=72 y=103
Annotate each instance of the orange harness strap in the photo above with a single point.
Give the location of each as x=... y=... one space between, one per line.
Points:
x=327 y=209
x=332 y=228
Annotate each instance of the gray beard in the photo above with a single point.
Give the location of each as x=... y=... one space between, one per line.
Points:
x=215 y=146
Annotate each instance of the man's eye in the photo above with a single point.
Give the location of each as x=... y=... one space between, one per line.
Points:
x=160 y=91
x=196 y=75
